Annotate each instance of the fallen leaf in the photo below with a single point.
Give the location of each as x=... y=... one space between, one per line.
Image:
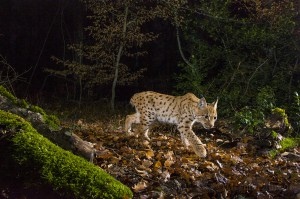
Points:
x=114 y=160
x=143 y=173
x=116 y=138
x=220 y=178
x=149 y=154
x=185 y=175
x=140 y=186
x=79 y=122
x=162 y=137
x=104 y=154
x=235 y=159
x=188 y=160
x=157 y=165
x=166 y=175
x=147 y=163
x=158 y=143
x=168 y=163
x=210 y=166
x=146 y=143
x=161 y=195
x=169 y=155
x=159 y=155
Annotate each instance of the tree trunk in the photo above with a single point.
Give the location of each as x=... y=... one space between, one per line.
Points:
x=179 y=43
x=117 y=63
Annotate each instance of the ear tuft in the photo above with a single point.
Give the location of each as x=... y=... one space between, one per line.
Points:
x=215 y=103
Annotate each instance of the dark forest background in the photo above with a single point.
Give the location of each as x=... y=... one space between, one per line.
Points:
x=33 y=31
x=244 y=52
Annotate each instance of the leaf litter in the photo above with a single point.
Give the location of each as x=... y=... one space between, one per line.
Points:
x=164 y=168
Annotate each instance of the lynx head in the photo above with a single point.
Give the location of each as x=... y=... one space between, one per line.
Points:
x=206 y=113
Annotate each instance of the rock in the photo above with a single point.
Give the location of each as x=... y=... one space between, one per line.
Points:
x=291 y=156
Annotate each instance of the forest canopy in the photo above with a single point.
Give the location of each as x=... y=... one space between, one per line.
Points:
x=212 y=48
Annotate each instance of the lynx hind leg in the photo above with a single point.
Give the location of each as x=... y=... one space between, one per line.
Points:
x=131 y=119
x=194 y=141
x=145 y=122
x=184 y=140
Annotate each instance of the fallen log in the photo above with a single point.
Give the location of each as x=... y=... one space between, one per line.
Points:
x=26 y=154
x=47 y=125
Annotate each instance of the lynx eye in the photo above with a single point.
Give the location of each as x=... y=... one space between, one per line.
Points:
x=215 y=118
x=206 y=116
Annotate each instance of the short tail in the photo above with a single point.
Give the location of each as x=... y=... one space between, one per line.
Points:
x=132 y=100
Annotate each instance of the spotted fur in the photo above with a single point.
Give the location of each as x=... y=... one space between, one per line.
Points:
x=183 y=111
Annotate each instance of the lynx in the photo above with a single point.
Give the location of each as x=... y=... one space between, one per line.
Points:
x=183 y=111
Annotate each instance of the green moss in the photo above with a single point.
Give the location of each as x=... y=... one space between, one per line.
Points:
x=274 y=134
x=287 y=143
x=281 y=112
x=273 y=153
x=22 y=103
x=37 y=109
x=51 y=120
x=66 y=173
x=13 y=122
x=7 y=94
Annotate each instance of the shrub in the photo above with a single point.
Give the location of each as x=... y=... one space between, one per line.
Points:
x=249 y=119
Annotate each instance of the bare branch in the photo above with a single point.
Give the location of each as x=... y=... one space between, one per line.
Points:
x=251 y=77
x=8 y=74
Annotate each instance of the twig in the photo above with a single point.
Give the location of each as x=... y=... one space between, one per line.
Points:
x=258 y=67
x=8 y=75
x=179 y=44
x=42 y=50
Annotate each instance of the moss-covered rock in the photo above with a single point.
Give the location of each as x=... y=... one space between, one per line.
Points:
x=280 y=117
x=47 y=125
x=66 y=173
x=7 y=94
x=51 y=120
x=287 y=143
x=284 y=144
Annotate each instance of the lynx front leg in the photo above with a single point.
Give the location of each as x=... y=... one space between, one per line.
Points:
x=184 y=140
x=187 y=135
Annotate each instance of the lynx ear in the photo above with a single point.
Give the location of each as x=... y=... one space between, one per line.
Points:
x=215 y=103
x=202 y=103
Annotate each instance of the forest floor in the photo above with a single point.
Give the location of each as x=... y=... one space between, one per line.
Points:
x=235 y=167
